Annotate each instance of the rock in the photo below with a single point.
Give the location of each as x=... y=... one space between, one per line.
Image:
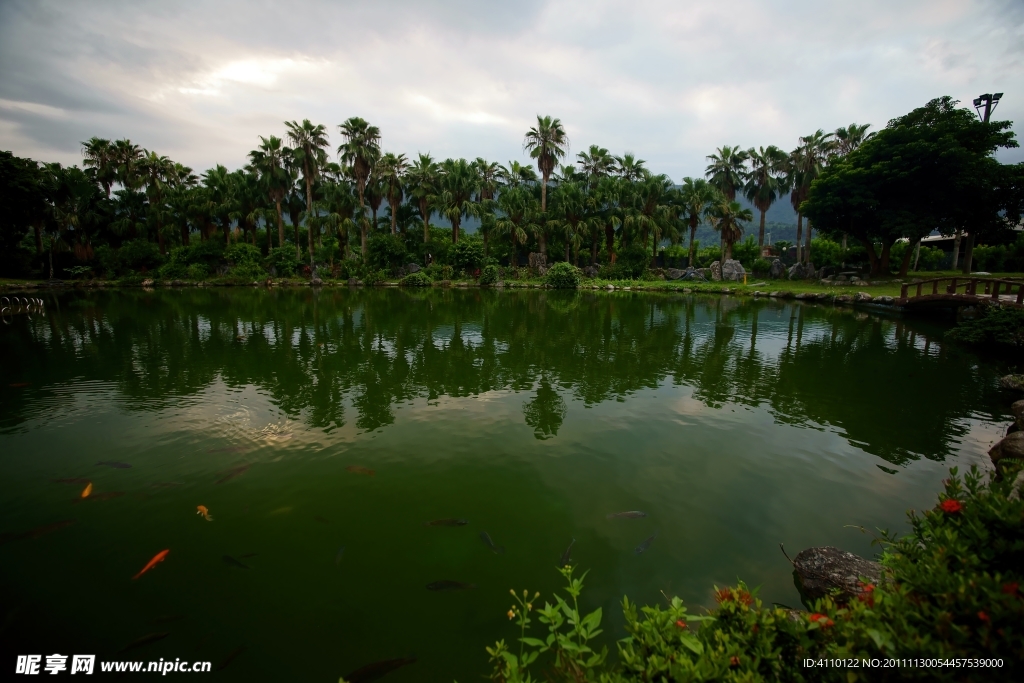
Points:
x=716 y=271
x=674 y=274
x=840 y=278
x=147 y=283
x=777 y=269
x=590 y=271
x=352 y=282
x=884 y=300
x=1011 y=446
x=412 y=268
x=980 y=272
x=862 y=297
x=1012 y=382
x=610 y=287
x=827 y=271
x=819 y=571
x=316 y=281
x=538 y=262
x=774 y=294
x=732 y=270
x=1018 y=412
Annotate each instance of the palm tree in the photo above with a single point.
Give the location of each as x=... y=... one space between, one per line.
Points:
x=457 y=184
x=804 y=166
x=697 y=196
x=547 y=143
x=156 y=172
x=516 y=174
x=595 y=163
x=219 y=188
x=647 y=212
x=99 y=154
x=727 y=170
x=487 y=173
x=269 y=162
x=607 y=196
x=391 y=169
x=851 y=137
x=766 y=181
x=421 y=185
x=309 y=149
x=571 y=213
x=360 y=151
x=126 y=156
x=519 y=215
x=629 y=168
x=725 y=217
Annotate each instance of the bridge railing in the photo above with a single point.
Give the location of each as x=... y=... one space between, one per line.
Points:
x=992 y=288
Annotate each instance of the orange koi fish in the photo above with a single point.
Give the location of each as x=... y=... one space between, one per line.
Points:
x=152 y=563
x=359 y=469
x=87 y=490
x=202 y=510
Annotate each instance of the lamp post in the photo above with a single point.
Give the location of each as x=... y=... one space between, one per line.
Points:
x=987 y=103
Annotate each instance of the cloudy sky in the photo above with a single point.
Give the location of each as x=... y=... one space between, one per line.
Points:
x=669 y=81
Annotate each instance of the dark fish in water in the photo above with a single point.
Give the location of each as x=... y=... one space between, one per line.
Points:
x=230 y=658
x=341 y=554
x=144 y=640
x=235 y=563
x=229 y=449
x=448 y=521
x=231 y=474
x=446 y=585
x=359 y=469
x=496 y=549
x=242 y=557
x=631 y=514
x=100 y=496
x=115 y=464
x=73 y=480
x=48 y=528
x=321 y=519
x=371 y=672
x=646 y=544
x=567 y=555
x=168 y=617
x=18 y=385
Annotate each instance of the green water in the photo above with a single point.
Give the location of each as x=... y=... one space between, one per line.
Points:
x=736 y=424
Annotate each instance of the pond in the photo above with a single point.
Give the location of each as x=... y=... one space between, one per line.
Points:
x=324 y=429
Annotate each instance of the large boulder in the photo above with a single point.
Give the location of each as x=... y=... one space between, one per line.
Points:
x=819 y=571
x=695 y=274
x=732 y=270
x=674 y=274
x=1018 y=412
x=591 y=271
x=1011 y=446
x=801 y=271
x=538 y=263
x=1013 y=382
x=412 y=268
x=777 y=270
x=716 y=271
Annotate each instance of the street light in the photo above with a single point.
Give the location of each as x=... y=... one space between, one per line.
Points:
x=987 y=102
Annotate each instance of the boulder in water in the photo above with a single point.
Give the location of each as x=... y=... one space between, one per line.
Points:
x=819 y=571
x=1011 y=446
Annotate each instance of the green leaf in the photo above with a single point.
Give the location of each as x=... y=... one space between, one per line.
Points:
x=592 y=620
x=533 y=642
x=693 y=644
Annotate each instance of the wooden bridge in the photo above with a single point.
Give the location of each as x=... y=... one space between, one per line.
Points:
x=962 y=291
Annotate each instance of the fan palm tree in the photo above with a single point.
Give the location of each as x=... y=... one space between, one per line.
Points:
x=99 y=154
x=547 y=143
x=727 y=170
x=766 y=181
x=571 y=215
x=421 y=186
x=156 y=171
x=607 y=198
x=595 y=163
x=126 y=156
x=647 y=213
x=360 y=151
x=849 y=138
x=269 y=161
x=391 y=169
x=804 y=165
x=457 y=183
x=519 y=216
x=697 y=197
x=629 y=168
x=726 y=217
x=219 y=187
x=487 y=171
x=309 y=149
x=516 y=174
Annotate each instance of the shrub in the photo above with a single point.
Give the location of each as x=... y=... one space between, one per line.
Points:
x=761 y=266
x=79 y=271
x=418 y=279
x=747 y=251
x=993 y=328
x=563 y=275
x=489 y=275
x=138 y=254
x=675 y=255
x=633 y=261
x=283 y=261
x=386 y=251
x=953 y=591
x=707 y=255
x=173 y=271
x=447 y=272
x=375 y=277
x=242 y=254
x=197 y=271
x=466 y=255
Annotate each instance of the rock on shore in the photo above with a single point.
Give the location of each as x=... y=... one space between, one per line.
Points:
x=819 y=571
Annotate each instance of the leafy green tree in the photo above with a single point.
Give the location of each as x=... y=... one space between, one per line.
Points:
x=595 y=163
x=546 y=142
x=571 y=215
x=629 y=168
x=516 y=174
x=157 y=172
x=309 y=149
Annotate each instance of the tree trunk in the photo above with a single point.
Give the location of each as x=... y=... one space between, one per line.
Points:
x=905 y=265
x=917 y=255
x=160 y=237
x=956 y=250
x=309 y=216
x=184 y=234
x=227 y=231
x=394 y=216
x=799 y=237
x=969 y=254
x=609 y=241
x=455 y=230
x=544 y=197
x=362 y=220
x=280 y=225
x=807 y=250
x=51 y=259
x=270 y=239
x=654 y=255
x=760 y=234
x=593 y=247
x=693 y=233
x=567 y=251
x=884 y=265
x=426 y=220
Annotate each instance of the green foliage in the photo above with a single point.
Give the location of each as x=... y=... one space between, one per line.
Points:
x=283 y=261
x=999 y=258
x=418 y=279
x=676 y=255
x=466 y=255
x=563 y=275
x=78 y=271
x=826 y=252
x=138 y=254
x=747 y=251
x=173 y=270
x=348 y=269
x=329 y=251
x=992 y=328
x=490 y=275
x=761 y=266
x=375 y=277
x=930 y=257
x=952 y=590
x=706 y=256
x=386 y=252
x=447 y=272
x=197 y=271
x=243 y=254
x=633 y=261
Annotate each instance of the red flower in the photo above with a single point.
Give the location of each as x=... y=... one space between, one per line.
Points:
x=723 y=595
x=734 y=661
x=680 y=623
x=1010 y=588
x=866 y=590
x=984 y=617
x=728 y=595
x=951 y=506
x=823 y=620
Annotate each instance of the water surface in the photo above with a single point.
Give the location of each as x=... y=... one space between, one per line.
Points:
x=736 y=424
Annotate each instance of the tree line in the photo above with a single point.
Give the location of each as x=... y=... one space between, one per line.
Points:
x=846 y=182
